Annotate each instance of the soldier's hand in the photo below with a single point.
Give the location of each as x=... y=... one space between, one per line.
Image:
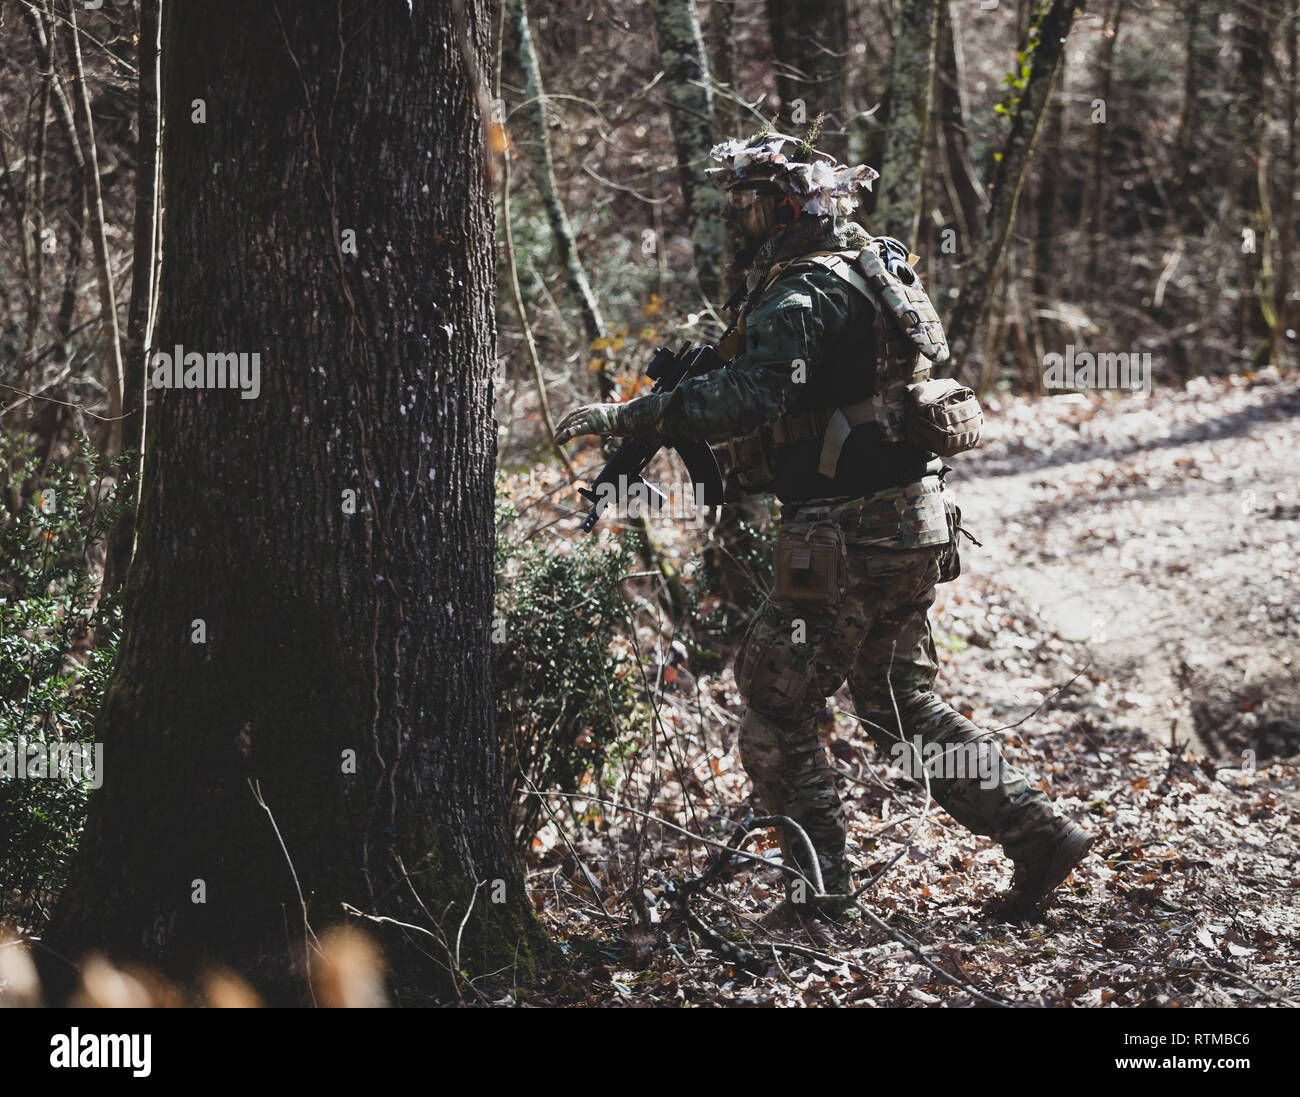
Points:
x=588 y=419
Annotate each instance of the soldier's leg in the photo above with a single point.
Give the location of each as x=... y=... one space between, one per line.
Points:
x=892 y=681
x=794 y=656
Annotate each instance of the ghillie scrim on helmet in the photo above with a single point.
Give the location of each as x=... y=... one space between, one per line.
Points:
x=822 y=185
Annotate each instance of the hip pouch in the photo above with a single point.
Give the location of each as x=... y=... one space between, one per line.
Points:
x=950 y=554
x=943 y=416
x=750 y=456
x=810 y=565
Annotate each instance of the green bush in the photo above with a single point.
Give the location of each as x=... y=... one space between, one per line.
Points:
x=727 y=589
x=57 y=643
x=567 y=692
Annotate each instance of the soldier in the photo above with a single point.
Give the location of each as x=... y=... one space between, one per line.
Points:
x=812 y=409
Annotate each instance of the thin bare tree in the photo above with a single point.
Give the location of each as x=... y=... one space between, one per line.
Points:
x=690 y=109
x=1043 y=48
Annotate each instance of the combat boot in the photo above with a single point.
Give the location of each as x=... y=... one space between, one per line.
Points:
x=1037 y=875
x=815 y=918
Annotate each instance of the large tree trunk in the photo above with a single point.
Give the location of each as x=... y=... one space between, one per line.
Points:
x=690 y=108
x=809 y=42
x=1047 y=37
x=902 y=166
x=326 y=632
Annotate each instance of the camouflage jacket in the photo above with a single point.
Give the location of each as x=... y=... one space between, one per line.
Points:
x=809 y=346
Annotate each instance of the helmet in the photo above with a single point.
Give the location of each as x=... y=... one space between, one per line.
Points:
x=815 y=180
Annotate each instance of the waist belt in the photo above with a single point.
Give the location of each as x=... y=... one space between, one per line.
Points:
x=849 y=513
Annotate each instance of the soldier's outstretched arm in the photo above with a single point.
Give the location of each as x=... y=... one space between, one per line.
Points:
x=784 y=336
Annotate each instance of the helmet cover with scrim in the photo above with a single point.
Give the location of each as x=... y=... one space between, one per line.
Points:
x=817 y=181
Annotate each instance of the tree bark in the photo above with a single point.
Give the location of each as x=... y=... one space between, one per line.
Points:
x=970 y=199
x=721 y=42
x=1201 y=126
x=1047 y=36
x=809 y=41
x=722 y=61
x=1094 y=202
x=33 y=208
x=332 y=537
x=690 y=110
x=902 y=166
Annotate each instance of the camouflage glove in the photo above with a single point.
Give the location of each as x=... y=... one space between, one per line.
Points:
x=589 y=419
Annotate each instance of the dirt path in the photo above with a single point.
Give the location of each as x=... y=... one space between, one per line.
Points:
x=1161 y=533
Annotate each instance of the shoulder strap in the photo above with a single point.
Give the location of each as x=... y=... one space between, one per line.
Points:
x=892 y=286
x=898 y=287
x=841 y=259
x=842 y=264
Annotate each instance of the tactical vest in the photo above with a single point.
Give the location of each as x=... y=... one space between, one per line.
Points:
x=908 y=338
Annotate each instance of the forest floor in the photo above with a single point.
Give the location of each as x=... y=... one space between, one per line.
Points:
x=1129 y=625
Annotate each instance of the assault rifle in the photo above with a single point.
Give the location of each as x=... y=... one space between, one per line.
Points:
x=621 y=477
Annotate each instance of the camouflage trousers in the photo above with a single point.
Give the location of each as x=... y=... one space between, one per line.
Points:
x=798 y=653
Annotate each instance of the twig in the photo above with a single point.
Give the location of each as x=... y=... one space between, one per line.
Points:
x=673 y=826
x=65 y=403
x=383 y=919
x=309 y=936
x=679 y=895
x=461 y=930
x=1045 y=700
x=592 y=882
x=1239 y=978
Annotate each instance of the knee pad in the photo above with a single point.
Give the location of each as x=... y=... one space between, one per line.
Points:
x=759 y=745
x=774 y=681
x=879 y=708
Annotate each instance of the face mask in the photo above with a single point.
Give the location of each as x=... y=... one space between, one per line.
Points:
x=747 y=216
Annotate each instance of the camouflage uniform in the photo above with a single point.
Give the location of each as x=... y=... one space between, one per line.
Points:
x=882 y=505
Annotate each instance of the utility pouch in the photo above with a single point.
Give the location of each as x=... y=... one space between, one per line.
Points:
x=943 y=416
x=950 y=554
x=811 y=563
x=750 y=456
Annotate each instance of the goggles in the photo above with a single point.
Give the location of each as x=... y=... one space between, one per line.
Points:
x=738 y=201
x=743 y=199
